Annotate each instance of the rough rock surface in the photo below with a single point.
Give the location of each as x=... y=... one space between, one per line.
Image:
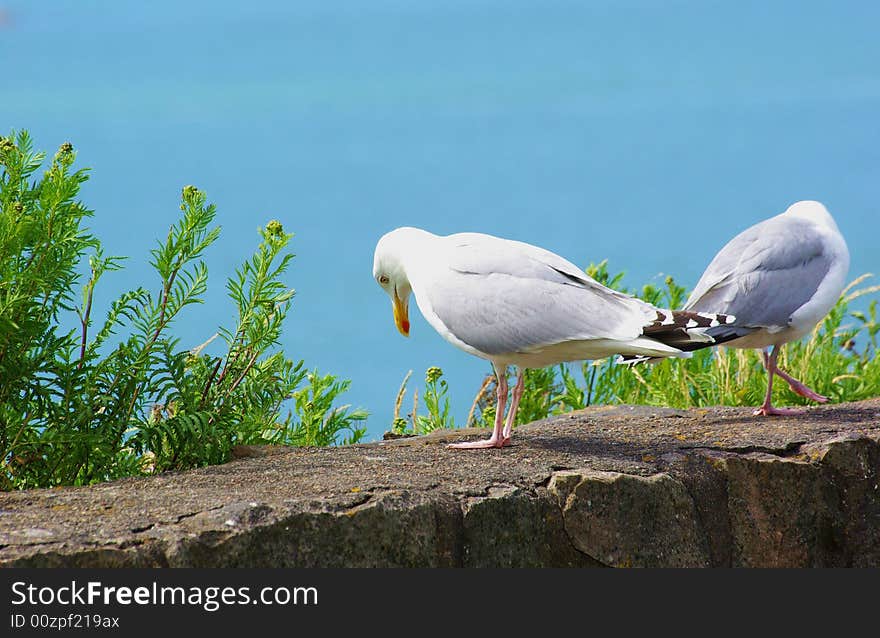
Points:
x=613 y=486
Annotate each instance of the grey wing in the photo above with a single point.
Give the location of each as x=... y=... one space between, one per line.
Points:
x=499 y=297
x=476 y=253
x=764 y=274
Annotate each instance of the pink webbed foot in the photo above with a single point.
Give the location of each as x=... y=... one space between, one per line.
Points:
x=481 y=445
x=807 y=393
x=798 y=387
x=769 y=410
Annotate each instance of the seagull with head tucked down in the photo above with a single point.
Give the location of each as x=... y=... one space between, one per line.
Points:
x=519 y=305
x=779 y=278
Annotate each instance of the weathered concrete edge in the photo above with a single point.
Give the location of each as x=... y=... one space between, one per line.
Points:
x=811 y=505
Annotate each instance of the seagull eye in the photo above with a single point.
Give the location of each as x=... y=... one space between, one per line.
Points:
x=384 y=280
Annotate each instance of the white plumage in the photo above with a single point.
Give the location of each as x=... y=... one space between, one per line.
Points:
x=779 y=278
x=516 y=304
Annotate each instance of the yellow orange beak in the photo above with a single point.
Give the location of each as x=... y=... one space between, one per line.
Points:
x=401 y=314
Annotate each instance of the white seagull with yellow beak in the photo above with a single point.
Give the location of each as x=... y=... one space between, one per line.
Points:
x=519 y=305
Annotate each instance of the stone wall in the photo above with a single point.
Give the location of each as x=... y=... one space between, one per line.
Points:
x=617 y=486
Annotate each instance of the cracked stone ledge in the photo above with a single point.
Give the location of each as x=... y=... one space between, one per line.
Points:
x=624 y=486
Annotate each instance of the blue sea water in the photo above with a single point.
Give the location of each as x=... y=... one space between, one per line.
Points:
x=644 y=132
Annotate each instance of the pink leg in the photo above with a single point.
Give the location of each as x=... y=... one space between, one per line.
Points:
x=497 y=438
x=514 y=405
x=767 y=409
x=800 y=388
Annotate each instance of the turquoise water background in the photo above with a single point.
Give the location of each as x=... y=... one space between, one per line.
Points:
x=647 y=133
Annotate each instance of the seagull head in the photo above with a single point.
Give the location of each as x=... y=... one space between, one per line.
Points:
x=814 y=212
x=389 y=272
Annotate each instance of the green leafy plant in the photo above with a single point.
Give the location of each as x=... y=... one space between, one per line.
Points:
x=85 y=404
x=436 y=402
x=319 y=421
